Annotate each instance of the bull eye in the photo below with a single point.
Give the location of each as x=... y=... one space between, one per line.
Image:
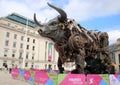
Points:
x=53 y=23
x=62 y=26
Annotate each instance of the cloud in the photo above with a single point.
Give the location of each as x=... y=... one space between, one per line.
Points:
x=26 y=8
x=89 y=9
x=10 y=6
x=113 y=36
x=77 y=9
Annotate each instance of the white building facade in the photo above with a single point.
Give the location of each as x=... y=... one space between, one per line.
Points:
x=117 y=54
x=21 y=45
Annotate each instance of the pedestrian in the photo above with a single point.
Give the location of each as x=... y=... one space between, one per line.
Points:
x=10 y=69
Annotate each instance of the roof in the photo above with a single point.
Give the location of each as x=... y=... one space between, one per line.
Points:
x=21 y=19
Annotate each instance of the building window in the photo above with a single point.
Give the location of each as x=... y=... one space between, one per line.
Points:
x=46 y=50
x=27 y=47
x=54 y=66
x=28 y=39
x=14 y=44
x=22 y=38
x=119 y=58
x=20 y=55
x=13 y=53
x=6 y=42
x=7 y=34
x=26 y=64
x=27 y=55
x=5 y=53
x=45 y=66
x=5 y=63
x=21 y=45
x=33 y=48
x=8 y=24
x=33 y=40
x=119 y=61
x=32 y=65
x=33 y=56
x=15 y=36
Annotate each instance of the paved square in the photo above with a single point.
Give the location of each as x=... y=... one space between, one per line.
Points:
x=6 y=79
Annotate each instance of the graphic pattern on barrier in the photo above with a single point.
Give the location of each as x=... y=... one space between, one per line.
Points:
x=114 y=79
x=97 y=79
x=42 y=77
x=71 y=79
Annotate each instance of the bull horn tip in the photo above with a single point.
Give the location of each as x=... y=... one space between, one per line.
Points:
x=34 y=14
x=48 y=3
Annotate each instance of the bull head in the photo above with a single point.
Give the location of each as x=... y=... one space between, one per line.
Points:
x=53 y=29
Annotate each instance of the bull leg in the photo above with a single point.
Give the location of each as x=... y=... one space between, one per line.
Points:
x=108 y=61
x=80 y=63
x=61 y=69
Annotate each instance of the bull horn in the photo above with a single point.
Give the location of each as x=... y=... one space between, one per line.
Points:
x=37 y=21
x=63 y=16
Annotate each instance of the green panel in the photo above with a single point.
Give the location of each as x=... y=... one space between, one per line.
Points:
x=61 y=78
x=20 y=76
x=105 y=77
x=53 y=76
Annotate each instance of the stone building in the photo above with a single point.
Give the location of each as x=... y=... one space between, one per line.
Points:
x=117 y=54
x=21 y=46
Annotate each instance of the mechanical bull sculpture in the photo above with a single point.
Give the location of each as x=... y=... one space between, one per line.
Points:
x=77 y=44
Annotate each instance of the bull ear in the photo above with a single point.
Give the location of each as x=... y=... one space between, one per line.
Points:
x=63 y=17
x=37 y=21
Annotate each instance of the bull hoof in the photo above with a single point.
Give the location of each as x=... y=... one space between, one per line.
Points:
x=61 y=70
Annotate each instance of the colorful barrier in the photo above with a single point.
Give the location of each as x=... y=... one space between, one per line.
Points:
x=98 y=79
x=15 y=73
x=114 y=79
x=71 y=79
x=42 y=77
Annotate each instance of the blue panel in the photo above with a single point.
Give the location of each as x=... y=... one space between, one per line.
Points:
x=31 y=79
x=21 y=71
x=50 y=82
x=119 y=77
x=103 y=82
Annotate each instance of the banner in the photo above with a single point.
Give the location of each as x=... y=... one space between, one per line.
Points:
x=49 y=51
x=97 y=79
x=71 y=79
x=114 y=79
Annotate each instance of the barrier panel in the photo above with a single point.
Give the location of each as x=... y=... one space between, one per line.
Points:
x=44 y=78
x=15 y=73
x=41 y=77
x=71 y=79
x=97 y=79
x=31 y=80
x=27 y=75
x=52 y=79
x=114 y=79
x=21 y=74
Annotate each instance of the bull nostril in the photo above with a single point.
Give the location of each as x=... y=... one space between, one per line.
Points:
x=40 y=31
